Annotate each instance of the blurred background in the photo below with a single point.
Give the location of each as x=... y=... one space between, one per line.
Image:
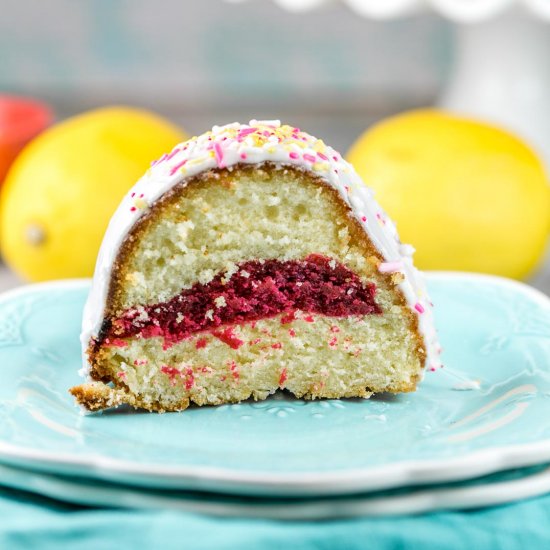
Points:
x=334 y=70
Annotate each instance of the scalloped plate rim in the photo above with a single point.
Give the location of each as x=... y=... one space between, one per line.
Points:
x=355 y=480
x=418 y=500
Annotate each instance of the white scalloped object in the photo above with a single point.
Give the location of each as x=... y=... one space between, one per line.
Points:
x=462 y=11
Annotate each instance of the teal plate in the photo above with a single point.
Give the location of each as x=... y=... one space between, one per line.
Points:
x=492 y=330
x=491 y=490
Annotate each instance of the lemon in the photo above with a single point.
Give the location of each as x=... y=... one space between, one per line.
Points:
x=467 y=195
x=63 y=188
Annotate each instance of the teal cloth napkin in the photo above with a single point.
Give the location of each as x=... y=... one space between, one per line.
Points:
x=28 y=521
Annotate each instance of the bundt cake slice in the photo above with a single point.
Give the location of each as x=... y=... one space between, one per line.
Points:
x=247 y=260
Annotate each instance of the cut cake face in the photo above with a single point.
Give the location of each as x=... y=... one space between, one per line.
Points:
x=251 y=259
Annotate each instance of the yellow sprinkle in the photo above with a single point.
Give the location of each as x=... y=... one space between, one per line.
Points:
x=319 y=146
x=141 y=204
x=320 y=166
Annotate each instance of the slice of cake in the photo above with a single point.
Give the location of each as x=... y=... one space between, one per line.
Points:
x=247 y=260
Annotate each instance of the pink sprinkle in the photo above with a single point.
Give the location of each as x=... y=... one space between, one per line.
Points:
x=335 y=158
x=243 y=156
x=243 y=133
x=391 y=267
x=309 y=158
x=381 y=218
x=418 y=306
x=172 y=154
x=141 y=196
x=219 y=154
x=133 y=195
x=133 y=209
x=433 y=369
x=177 y=167
x=320 y=155
x=293 y=155
x=161 y=159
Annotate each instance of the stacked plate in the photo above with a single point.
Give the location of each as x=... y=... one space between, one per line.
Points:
x=476 y=433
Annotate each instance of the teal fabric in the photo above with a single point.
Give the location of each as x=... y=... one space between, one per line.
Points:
x=31 y=522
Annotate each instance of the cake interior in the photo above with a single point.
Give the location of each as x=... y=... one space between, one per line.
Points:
x=245 y=281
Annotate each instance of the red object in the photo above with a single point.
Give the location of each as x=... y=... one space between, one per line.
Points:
x=21 y=119
x=315 y=284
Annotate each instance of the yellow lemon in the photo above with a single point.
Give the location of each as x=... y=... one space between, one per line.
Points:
x=467 y=195
x=63 y=188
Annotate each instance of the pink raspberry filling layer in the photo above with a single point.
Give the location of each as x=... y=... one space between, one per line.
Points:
x=258 y=290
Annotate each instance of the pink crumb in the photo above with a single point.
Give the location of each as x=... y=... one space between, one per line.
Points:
x=171 y=372
x=116 y=342
x=227 y=336
x=291 y=332
x=201 y=343
x=333 y=341
x=121 y=375
x=234 y=370
x=309 y=319
x=189 y=378
x=288 y=317
x=277 y=345
x=283 y=377
x=334 y=328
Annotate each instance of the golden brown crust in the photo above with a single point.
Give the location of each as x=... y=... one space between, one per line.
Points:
x=94 y=398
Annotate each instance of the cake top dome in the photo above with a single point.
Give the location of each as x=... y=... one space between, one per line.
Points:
x=255 y=143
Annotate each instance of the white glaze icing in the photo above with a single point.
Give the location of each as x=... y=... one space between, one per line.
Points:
x=255 y=143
